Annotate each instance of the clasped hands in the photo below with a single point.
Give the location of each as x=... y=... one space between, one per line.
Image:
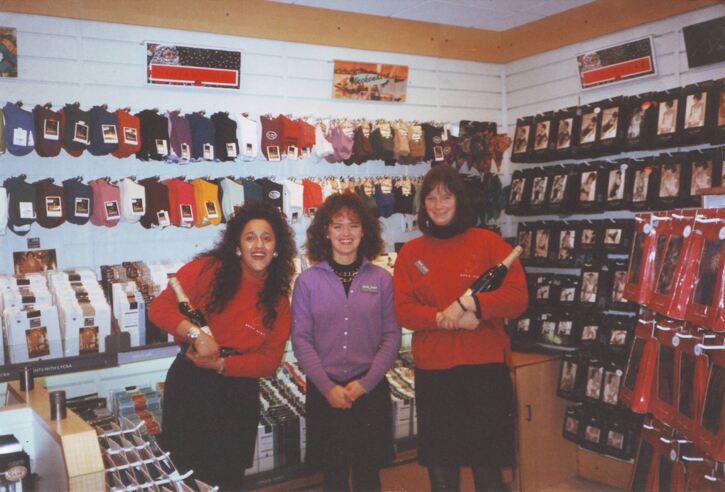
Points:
x=344 y=396
x=204 y=353
x=454 y=317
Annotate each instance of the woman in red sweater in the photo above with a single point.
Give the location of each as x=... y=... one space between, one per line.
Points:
x=241 y=286
x=464 y=396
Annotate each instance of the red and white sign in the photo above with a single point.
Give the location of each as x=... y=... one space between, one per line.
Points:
x=617 y=63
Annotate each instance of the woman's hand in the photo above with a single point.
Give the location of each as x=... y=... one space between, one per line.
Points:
x=206 y=347
x=449 y=319
x=468 y=321
x=337 y=397
x=354 y=390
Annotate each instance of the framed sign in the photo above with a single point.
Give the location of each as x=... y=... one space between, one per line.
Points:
x=8 y=52
x=186 y=65
x=369 y=81
x=620 y=63
x=705 y=42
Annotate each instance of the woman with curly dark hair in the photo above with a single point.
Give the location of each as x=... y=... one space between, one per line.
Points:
x=241 y=286
x=345 y=337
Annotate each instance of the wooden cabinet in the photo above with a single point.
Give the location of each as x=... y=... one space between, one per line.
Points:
x=544 y=457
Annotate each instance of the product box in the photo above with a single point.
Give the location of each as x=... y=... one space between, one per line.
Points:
x=129 y=310
x=33 y=334
x=84 y=327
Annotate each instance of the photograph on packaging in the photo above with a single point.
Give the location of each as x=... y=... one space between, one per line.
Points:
x=563 y=138
x=521 y=139
x=541 y=139
x=568 y=376
x=37 y=260
x=610 y=123
x=701 y=176
x=37 y=342
x=695 y=110
x=594 y=382
x=538 y=190
x=667 y=119
x=588 y=188
x=558 y=187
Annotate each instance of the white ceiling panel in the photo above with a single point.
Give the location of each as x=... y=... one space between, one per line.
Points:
x=496 y=15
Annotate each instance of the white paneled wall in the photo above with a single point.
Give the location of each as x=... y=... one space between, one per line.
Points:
x=63 y=60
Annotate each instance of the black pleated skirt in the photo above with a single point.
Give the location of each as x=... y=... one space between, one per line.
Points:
x=465 y=415
x=361 y=434
x=210 y=422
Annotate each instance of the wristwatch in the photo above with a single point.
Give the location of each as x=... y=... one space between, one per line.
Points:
x=192 y=335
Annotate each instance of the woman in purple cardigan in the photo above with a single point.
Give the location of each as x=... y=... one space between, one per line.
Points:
x=345 y=336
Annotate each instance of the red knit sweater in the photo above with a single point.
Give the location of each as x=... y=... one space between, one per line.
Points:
x=452 y=265
x=238 y=326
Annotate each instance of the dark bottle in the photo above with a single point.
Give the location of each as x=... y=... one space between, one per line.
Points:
x=194 y=315
x=492 y=278
x=187 y=308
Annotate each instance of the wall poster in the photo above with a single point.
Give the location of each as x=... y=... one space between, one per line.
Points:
x=619 y=63
x=369 y=81
x=8 y=52
x=186 y=65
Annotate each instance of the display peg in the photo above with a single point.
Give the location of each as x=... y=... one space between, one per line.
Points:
x=57 y=405
x=27 y=380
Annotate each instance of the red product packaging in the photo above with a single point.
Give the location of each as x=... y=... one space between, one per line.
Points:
x=673 y=280
x=640 y=273
x=692 y=371
x=706 y=300
x=704 y=474
x=665 y=391
x=652 y=458
x=710 y=432
x=636 y=392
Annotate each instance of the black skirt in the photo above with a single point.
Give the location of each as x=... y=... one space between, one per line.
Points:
x=361 y=434
x=209 y=422
x=465 y=415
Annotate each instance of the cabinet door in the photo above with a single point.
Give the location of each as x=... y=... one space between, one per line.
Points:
x=545 y=458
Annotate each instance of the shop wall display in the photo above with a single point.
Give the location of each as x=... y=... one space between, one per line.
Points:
x=96 y=63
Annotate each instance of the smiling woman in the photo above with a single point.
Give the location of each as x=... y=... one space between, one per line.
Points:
x=345 y=337
x=464 y=397
x=211 y=403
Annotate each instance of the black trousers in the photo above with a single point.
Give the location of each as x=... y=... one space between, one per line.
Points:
x=210 y=423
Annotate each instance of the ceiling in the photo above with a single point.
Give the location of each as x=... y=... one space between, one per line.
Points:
x=493 y=15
